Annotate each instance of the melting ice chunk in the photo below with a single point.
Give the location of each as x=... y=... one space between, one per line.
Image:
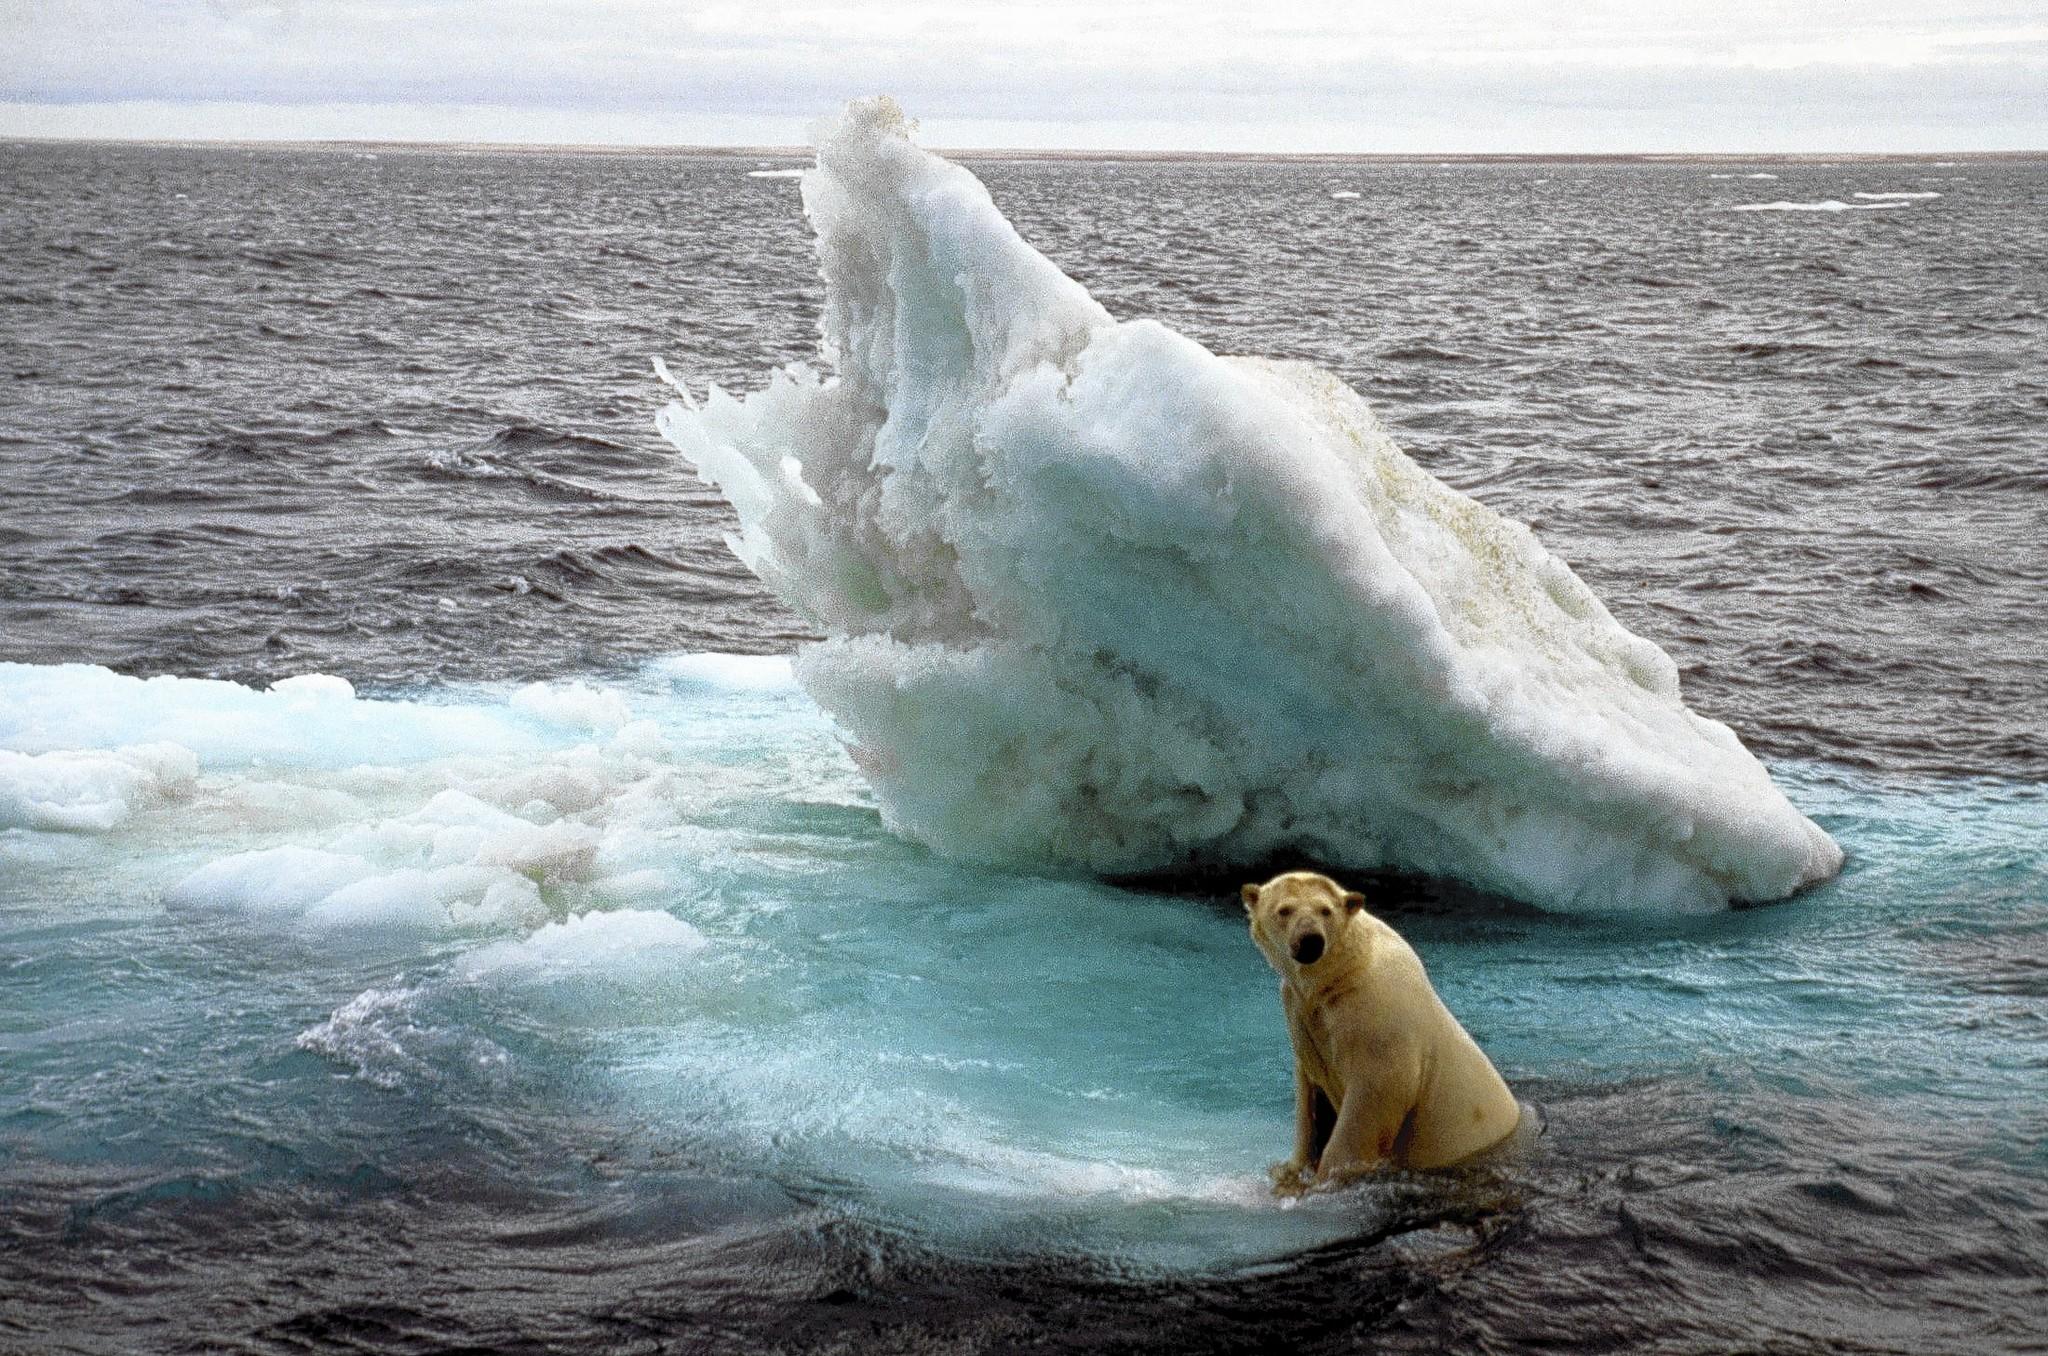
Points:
x=1096 y=597
x=89 y=791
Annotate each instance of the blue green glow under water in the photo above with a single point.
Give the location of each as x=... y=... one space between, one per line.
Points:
x=727 y=992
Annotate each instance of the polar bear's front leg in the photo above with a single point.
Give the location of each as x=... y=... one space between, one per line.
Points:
x=1367 y=1135
x=1373 y=1125
x=1287 y=1176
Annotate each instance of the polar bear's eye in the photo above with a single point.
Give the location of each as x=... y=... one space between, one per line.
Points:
x=1285 y=911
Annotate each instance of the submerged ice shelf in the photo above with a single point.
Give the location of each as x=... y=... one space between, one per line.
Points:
x=663 y=912
x=667 y=899
x=1097 y=598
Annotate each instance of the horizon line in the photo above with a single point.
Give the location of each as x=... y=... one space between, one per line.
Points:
x=735 y=151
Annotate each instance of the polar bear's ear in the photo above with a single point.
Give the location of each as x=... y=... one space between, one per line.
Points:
x=1353 y=901
x=1250 y=895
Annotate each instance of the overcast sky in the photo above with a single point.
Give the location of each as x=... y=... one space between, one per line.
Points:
x=1448 y=75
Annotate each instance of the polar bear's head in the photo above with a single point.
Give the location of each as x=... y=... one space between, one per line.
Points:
x=1299 y=917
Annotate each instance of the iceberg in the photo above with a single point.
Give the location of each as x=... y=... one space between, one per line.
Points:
x=1094 y=598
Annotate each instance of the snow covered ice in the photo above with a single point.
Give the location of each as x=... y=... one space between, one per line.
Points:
x=1096 y=598
x=424 y=817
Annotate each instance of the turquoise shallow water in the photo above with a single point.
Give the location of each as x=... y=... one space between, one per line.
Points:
x=748 y=1001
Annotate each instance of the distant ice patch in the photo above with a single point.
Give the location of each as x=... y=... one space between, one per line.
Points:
x=1901 y=197
x=1825 y=205
x=1095 y=597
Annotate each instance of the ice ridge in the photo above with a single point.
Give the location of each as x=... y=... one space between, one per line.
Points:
x=1096 y=598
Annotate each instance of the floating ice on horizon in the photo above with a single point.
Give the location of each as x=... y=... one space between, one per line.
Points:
x=775 y=174
x=1098 y=598
x=1898 y=197
x=1825 y=205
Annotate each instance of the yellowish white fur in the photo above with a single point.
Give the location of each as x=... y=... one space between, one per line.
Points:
x=1383 y=1073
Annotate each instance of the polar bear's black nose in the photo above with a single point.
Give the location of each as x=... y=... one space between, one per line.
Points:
x=1309 y=949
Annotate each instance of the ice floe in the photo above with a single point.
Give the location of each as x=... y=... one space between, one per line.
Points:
x=1097 y=598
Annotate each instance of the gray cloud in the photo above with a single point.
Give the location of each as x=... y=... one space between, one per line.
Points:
x=1473 y=73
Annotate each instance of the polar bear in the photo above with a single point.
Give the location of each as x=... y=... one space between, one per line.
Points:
x=1383 y=1074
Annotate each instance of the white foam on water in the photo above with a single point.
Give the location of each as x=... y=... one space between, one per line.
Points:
x=1097 y=598
x=1344 y=194
x=775 y=174
x=386 y=1038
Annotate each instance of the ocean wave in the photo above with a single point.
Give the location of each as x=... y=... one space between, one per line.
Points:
x=1096 y=597
x=500 y=457
x=385 y=1037
x=1424 y=353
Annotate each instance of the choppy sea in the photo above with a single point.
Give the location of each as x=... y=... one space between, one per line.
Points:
x=554 y=986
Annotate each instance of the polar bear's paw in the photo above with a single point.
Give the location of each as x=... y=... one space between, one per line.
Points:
x=1290 y=1178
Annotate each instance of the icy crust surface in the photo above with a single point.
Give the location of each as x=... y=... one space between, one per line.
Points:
x=412 y=817
x=1096 y=597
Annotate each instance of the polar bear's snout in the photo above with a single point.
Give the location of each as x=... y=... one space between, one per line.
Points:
x=1307 y=948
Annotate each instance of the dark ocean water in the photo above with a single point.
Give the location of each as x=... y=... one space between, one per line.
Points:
x=389 y=417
